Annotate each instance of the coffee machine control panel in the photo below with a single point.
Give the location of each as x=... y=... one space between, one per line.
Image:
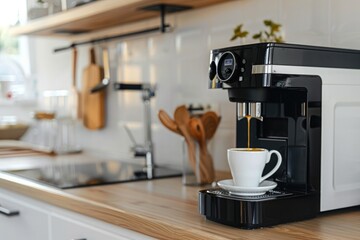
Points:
x=229 y=69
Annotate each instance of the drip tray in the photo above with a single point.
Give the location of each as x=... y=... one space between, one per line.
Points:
x=71 y=175
x=272 y=194
x=249 y=212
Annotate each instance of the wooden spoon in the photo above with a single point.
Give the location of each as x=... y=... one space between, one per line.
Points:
x=206 y=162
x=182 y=118
x=169 y=123
x=210 y=122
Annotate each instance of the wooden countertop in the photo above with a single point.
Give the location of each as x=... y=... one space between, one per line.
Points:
x=166 y=209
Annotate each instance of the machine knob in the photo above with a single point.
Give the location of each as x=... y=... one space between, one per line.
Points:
x=212 y=70
x=228 y=71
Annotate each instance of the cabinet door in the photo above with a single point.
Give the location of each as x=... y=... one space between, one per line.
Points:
x=340 y=156
x=63 y=228
x=30 y=223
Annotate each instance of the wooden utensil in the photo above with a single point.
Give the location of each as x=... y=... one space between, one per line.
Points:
x=93 y=103
x=74 y=93
x=206 y=162
x=182 y=118
x=210 y=122
x=169 y=123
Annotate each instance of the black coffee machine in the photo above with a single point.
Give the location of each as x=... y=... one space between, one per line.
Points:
x=266 y=82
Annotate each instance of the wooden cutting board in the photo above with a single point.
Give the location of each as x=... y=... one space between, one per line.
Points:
x=93 y=104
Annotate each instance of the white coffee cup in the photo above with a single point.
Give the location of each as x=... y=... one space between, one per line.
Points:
x=247 y=165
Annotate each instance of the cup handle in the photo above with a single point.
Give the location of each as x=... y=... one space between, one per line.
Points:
x=279 y=159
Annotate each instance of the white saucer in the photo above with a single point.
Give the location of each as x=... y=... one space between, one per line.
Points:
x=228 y=185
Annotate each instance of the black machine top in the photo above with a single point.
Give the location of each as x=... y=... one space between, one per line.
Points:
x=232 y=67
x=296 y=55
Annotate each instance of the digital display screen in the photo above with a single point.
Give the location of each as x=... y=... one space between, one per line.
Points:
x=228 y=62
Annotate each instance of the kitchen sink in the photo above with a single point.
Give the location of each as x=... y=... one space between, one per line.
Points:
x=76 y=175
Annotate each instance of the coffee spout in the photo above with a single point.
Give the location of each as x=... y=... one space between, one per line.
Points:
x=245 y=109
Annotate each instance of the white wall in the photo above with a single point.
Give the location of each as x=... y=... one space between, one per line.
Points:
x=178 y=63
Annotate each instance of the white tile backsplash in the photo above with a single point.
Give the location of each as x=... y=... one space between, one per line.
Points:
x=306 y=22
x=219 y=36
x=190 y=42
x=161 y=47
x=345 y=30
x=177 y=62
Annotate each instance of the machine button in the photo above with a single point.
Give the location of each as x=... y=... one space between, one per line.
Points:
x=212 y=70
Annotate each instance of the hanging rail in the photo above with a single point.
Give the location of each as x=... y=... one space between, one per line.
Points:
x=163 y=8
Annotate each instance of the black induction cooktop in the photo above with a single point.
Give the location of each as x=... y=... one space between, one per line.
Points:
x=67 y=176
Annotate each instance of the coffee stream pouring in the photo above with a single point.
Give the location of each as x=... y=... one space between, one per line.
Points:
x=248 y=111
x=252 y=110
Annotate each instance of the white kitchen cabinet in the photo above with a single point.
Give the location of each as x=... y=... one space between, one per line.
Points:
x=32 y=222
x=64 y=228
x=67 y=225
x=41 y=221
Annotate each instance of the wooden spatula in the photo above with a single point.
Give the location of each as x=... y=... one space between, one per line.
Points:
x=169 y=123
x=74 y=93
x=182 y=118
x=210 y=122
x=197 y=130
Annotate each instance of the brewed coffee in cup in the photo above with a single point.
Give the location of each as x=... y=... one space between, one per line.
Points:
x=247 y=165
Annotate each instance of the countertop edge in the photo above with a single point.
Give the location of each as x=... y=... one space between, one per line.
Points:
x=135 y=222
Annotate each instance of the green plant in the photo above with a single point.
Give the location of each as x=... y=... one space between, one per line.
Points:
x=239 y=33
x=271 y=34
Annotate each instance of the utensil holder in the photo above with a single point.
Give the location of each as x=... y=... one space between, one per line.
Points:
x=198 y=168
x=190 y=176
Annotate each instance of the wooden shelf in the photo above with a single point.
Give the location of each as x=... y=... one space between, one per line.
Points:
x=98 y=16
